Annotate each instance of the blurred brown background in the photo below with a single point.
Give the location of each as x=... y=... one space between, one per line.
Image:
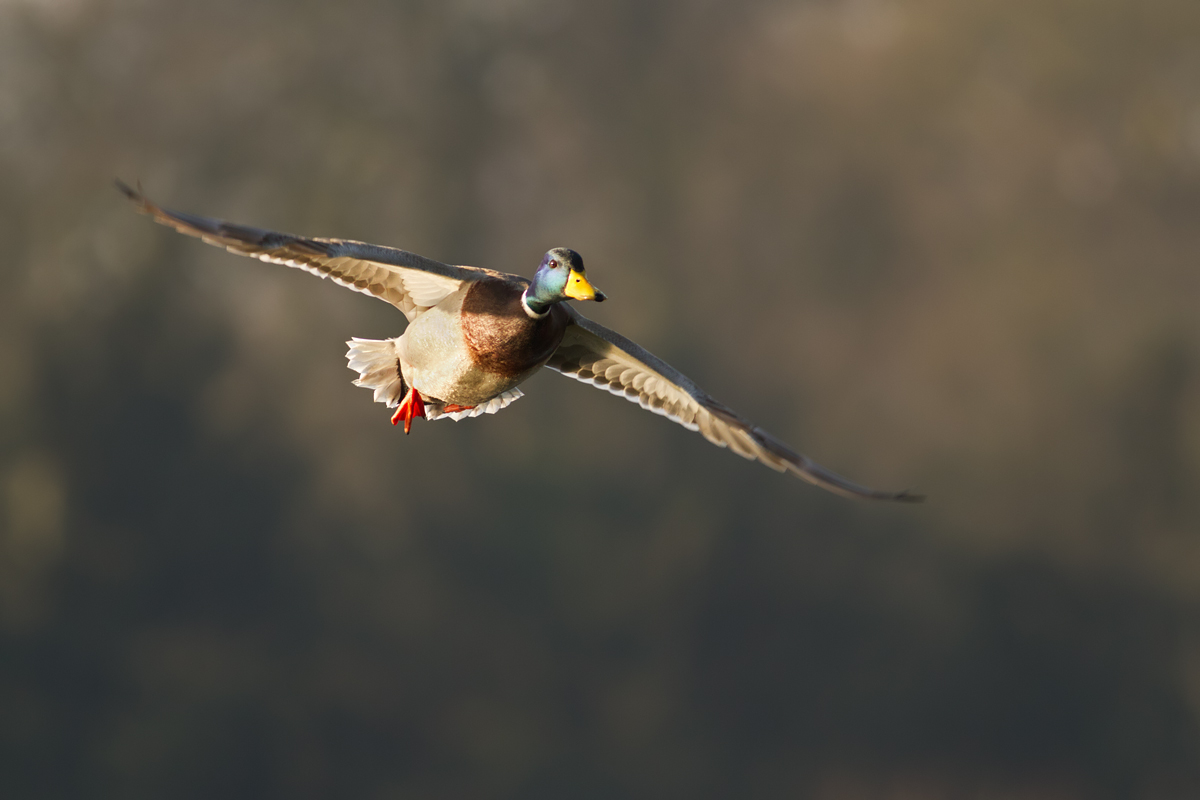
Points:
x=934 y=244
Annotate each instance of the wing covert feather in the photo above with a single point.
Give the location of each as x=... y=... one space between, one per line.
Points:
x=604 y=358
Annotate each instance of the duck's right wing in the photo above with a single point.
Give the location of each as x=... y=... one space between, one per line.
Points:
x=594 y=354
x=410 y=282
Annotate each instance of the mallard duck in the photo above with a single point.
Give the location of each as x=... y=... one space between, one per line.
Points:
x=475 y=334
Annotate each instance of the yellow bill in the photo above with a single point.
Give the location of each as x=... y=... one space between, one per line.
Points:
x=578 y=288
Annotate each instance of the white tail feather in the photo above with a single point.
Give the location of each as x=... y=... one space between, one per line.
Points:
x=378 y=366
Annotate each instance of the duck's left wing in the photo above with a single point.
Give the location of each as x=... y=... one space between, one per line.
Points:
x=410 y=282
x=594 y=354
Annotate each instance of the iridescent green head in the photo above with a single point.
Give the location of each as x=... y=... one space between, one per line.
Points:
x=559 y=277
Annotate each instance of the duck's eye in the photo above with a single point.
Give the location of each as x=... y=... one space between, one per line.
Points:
x=553 y=264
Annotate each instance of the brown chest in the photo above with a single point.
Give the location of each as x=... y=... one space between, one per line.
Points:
x=500 y=336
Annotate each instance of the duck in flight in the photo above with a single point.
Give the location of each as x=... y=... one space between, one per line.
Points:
x=475 y=334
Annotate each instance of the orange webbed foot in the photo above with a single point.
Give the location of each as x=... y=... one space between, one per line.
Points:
x=453 y=408
x=411 y=407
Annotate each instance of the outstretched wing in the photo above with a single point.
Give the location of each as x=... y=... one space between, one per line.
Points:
x=410 y=282
x=594 y=354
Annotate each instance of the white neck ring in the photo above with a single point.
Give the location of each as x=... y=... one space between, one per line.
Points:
x=529 y=312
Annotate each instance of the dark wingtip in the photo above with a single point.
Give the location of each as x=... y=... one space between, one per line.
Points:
x=908 y=497
x=125 y=189
x=134 y=195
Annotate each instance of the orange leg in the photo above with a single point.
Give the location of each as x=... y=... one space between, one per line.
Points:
x=412 y=406
x=451 y=408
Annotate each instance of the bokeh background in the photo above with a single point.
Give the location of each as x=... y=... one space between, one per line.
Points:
x=935 y=244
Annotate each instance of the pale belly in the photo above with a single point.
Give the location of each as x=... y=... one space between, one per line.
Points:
x=435 y=361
